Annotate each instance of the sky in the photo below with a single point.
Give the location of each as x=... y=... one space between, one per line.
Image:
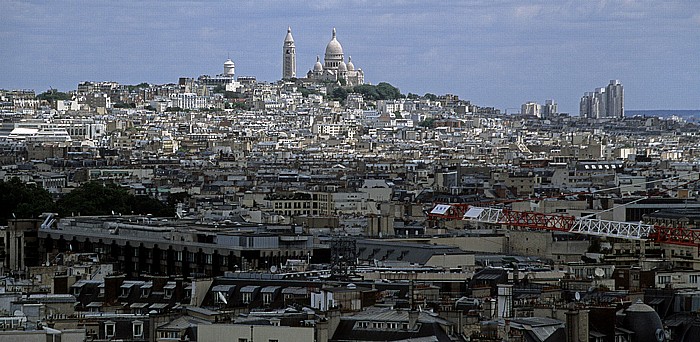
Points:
x=499 y=53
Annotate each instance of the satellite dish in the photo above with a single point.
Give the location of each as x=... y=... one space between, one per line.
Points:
x=599 y=272
x=660 y=335
x=273 y=269
x=577 y=296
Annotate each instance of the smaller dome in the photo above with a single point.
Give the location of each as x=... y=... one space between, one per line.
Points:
x=351 y=67
x=229 y=62
x=318 y=66
x=342 y=66
x=645 y=322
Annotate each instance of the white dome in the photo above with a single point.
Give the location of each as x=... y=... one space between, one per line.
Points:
x=229 y=62
x=342 y=66
x=351 y=67
x=333 y=47
x=318 y=66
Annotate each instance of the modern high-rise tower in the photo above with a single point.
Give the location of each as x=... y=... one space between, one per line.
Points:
x=608 y=102
x=289 y=56
x=615 y=100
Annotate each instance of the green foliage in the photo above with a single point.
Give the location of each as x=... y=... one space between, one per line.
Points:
x=53 y=95
x=219 y=89
x=431 y=97
x=382 y=91
x=124 y=105
x=306 y=91
x=428 y=123
x=233 y=95
x=175 y=109
x=142 y=85
x=413 y=96
x=237 y=105
x=339 y=94
x=94 y=198
x=23 y=200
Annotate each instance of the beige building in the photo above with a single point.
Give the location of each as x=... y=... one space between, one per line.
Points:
x=250 y=333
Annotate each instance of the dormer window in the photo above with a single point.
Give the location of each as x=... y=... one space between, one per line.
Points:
x=109 y=329
x=145 y=292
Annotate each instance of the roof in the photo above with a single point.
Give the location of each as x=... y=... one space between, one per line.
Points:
x=223 y=288
x=428 y=329
x=294 y=290
x=182 y=322
x=249 y=288
x=270 y=289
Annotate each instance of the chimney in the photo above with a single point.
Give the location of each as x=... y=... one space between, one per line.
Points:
x=412 y=318
x=113 y=284
x=576 y=325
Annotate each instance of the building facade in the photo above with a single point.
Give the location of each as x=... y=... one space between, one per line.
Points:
x=334 y=68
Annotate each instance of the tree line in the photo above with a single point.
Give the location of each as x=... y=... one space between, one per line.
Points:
x=28 y=200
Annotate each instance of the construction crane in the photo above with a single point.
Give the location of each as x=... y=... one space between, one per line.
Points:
x=586 y=226
x=576 y=225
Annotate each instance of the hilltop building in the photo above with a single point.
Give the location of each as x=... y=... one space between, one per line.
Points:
x=334 y=68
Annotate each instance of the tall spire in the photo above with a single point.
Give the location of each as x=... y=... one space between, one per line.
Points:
x=334 y=33
x=289 y=56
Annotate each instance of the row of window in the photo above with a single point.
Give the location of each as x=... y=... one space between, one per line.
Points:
x=382 y=325
x=666 y=279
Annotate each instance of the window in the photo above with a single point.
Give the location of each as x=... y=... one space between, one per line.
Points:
x=267 y=298
x=271 y=340
x=168 y=293
x=109 y=329
x=247 y=297
x=694 y=278
x=145 y=292
x=137 y=329
x=664 y=279
x=242 y=340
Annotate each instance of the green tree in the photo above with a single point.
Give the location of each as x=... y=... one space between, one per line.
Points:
x=94 y=198
x=382 y=91
x=53 y=95
x=430 y=96
x=428 y=123
x=339 y=94
x=219 y=89
x=368 y=91
x=21 y=200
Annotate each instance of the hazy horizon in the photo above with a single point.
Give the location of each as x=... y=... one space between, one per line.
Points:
x=494 y=53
